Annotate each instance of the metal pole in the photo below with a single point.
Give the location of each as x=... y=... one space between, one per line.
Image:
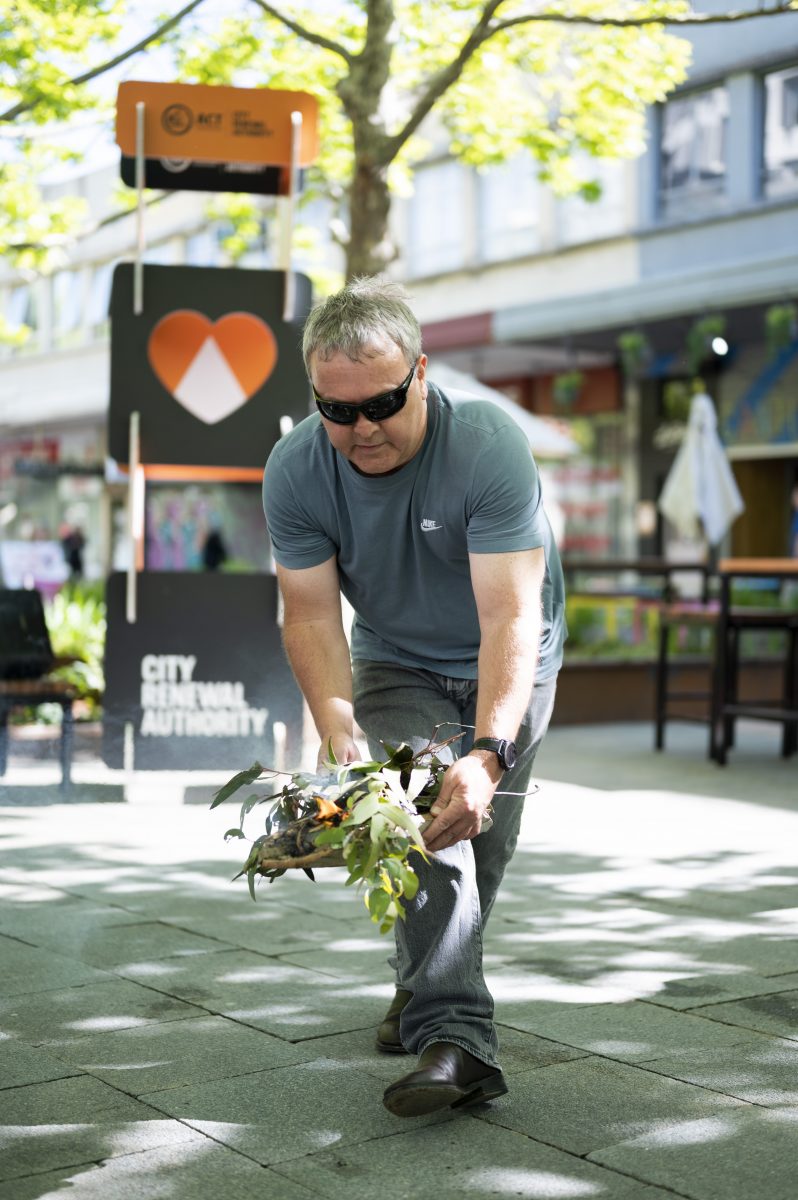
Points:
x=138 y=267
x=289 y=299
x=135 y=514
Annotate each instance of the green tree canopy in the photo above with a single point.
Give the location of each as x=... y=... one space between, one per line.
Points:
x=560 y=80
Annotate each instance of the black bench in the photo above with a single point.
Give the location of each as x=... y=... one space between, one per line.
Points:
x=26 y=660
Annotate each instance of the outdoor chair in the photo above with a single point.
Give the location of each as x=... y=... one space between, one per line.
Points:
x=26 y=660
x=719 y=700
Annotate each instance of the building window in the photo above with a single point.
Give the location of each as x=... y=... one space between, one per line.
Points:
x=21 y=310
x=508 y=210
x=693 y=153
x=99 y=299
x=437 y=219
x=581 y=220
x=68 y=307
x=781 y=133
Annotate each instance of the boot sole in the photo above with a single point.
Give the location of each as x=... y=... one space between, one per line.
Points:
x=418 y=1101
x=391 y=1047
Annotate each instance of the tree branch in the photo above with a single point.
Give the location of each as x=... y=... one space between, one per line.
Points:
x=443 y=79
x=27 y=105
x=318 y=39
x=779 y=9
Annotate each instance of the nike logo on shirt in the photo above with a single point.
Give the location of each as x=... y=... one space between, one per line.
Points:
x=428 y=525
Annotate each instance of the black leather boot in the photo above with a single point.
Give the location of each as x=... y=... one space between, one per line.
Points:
x=388 y=1040
x=446 y=1077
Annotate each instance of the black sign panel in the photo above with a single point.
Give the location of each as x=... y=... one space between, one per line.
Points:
x=183 y=175
x=201 y=675
x=210 y=364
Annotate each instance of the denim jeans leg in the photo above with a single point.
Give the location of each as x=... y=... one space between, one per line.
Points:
x=494 y=849
x=439 y=943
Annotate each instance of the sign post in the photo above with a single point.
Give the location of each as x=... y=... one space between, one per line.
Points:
x=206 y=375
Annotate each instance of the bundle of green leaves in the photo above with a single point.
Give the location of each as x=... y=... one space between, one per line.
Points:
x=367 y=816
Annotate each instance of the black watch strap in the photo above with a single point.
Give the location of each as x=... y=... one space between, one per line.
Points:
x=501 y=747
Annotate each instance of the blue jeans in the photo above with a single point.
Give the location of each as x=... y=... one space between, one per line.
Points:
x=439 y=944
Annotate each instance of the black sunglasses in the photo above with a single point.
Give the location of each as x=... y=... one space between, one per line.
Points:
x=378 y=408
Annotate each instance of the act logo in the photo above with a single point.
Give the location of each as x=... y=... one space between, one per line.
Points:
x=177 y=119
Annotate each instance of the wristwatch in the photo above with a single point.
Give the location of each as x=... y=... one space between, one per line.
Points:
x=504 y=750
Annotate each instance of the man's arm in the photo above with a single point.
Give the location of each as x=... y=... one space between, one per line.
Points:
x=507 y=589
x=314 y=640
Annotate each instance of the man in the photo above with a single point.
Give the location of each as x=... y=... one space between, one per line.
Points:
x=427 y=515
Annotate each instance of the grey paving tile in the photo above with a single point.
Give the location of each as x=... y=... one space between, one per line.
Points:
x=744 y=1154
x=195 y=1169
x=740 y=896
x=776 y=1013
x=287 y=1113
x=53 y=1018
x=264 y=927
x=345 y=959
x=21 y=1064
x=763 y=1071
x=122 y=944
x=764 y=953
x=25 y=969
x=288 y=1001
x=61 y=922
x=460 y=1158
x=693 y=991
x=583 y=1105
x=518 y=1052
x=79 y=1120
x=633 y=1032
x=153 y=1057
x=587 y=975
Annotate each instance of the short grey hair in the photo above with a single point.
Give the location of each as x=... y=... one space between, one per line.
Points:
x=355 y=320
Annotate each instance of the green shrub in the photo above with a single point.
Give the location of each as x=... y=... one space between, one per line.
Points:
x=76 y=621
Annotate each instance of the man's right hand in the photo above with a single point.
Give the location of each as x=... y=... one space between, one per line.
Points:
x=343 y=747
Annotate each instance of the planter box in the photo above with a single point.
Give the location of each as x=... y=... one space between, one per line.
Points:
x=594 y=691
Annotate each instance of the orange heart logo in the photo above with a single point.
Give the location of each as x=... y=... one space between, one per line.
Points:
x=212 y=369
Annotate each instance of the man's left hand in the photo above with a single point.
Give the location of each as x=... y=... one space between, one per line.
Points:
x=466 y=792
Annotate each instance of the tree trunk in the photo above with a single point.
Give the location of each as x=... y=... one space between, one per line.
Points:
x=370 y=248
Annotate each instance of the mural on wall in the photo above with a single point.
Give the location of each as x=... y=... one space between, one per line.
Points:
x=759 y=400
x=181 y=519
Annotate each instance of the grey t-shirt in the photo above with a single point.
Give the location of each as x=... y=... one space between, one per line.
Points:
x=402 y=541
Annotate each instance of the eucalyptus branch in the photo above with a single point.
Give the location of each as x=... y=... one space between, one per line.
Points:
x=692 y=18
x=27 y=105
x=317 y=39
x=443 y=79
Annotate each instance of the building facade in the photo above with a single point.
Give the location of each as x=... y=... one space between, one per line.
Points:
x=686 y=267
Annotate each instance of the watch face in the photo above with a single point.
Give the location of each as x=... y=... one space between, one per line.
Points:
x=509 y=756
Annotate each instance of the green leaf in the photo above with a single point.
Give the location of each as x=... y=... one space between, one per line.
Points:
x=364 y=809
x=402 y=755
x=247 y=806
x=419 y=778
x=410 y=882
x=330 y=837
x=233 y=833
x=242 y=779
x=251 y=876
x=404 y=821
x=377 y=903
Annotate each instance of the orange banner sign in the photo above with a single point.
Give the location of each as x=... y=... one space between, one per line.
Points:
x=216 y=124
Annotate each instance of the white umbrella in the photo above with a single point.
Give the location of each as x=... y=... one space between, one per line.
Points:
x=700 y=493
x=546 y=441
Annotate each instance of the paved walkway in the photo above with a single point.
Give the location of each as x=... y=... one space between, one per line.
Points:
x=162 y=1036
